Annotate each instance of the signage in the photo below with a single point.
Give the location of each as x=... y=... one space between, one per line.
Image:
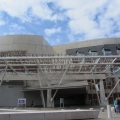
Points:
x=62 y=102
x=21 y=101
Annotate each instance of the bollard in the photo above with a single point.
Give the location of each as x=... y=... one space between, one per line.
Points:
x=102 y=109
x=109 y=111
x=112 y=109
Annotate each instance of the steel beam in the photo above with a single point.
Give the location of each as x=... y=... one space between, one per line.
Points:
x=95 y=65
x=116 y=70
x=25 y=68
x=81 y=65
x=58 y=57
x=3 y=75
x=113 y=89
x=41 y=91
x=10 y=67
x=51 y=88
x=60 y=82
x=63 y=58
x=49 y=72
x=2 y=65
x=42 y=95
x=109 y=65
x=96 y=90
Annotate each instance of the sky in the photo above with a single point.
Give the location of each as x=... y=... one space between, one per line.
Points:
x=61 y=21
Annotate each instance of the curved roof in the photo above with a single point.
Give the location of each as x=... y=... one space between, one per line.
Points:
x=33 y=44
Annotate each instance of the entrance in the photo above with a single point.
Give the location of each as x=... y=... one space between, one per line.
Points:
x=72 y=97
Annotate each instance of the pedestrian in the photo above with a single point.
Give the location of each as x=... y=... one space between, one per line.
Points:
x=115 y=103
x=118 y=103
x=116 y=106
x=33 y=104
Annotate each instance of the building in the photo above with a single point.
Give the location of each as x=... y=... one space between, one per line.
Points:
x=83 y=72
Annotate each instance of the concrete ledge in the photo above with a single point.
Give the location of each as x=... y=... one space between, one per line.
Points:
x=27 y=116
x=55 y=116
x=4 y=117
x=82 y=114
x=49 y=115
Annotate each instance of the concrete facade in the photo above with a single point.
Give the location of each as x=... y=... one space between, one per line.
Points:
x=9 y=95
x=37 y=45
x=33 y=44
x=85 y=46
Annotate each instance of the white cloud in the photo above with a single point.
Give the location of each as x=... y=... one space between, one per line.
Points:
x=2 y=22
x=89 y=18
x=71 y=37
x=52 y=31
x=25 y=10
x=55 y=41
x=9 y=33
x=92 y=17
x=16 y=27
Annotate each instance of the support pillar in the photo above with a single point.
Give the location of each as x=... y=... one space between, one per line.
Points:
x=49 y=96
x=102 y=94
x=41 y=91
x=42 y=97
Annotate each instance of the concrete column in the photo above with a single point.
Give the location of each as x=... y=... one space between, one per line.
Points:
x=49 y=96
x=102 y=94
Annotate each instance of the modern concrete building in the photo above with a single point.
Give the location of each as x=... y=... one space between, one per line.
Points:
x=83 y=72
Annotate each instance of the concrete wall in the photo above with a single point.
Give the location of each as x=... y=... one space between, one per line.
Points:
x=9 y=95
x=34 y=44
x=61 y=49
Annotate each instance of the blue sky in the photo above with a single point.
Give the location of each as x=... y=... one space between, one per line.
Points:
x=61 y=21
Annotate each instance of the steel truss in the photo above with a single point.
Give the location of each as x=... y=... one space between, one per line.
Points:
x=50 y=64
x=59 y=64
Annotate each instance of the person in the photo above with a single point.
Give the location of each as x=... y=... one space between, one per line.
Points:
x=33 y=104
x=115 y=103
x=116 y=106
x=118 y=103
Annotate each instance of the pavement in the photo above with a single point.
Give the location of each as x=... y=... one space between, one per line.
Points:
x=103 y=116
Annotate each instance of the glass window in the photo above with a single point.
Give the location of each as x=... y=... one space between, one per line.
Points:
x=93 y=52
x=79 y=53
x=118 y=51
x=106 y=51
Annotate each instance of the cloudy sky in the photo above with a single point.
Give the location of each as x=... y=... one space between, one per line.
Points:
x=61 y=21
